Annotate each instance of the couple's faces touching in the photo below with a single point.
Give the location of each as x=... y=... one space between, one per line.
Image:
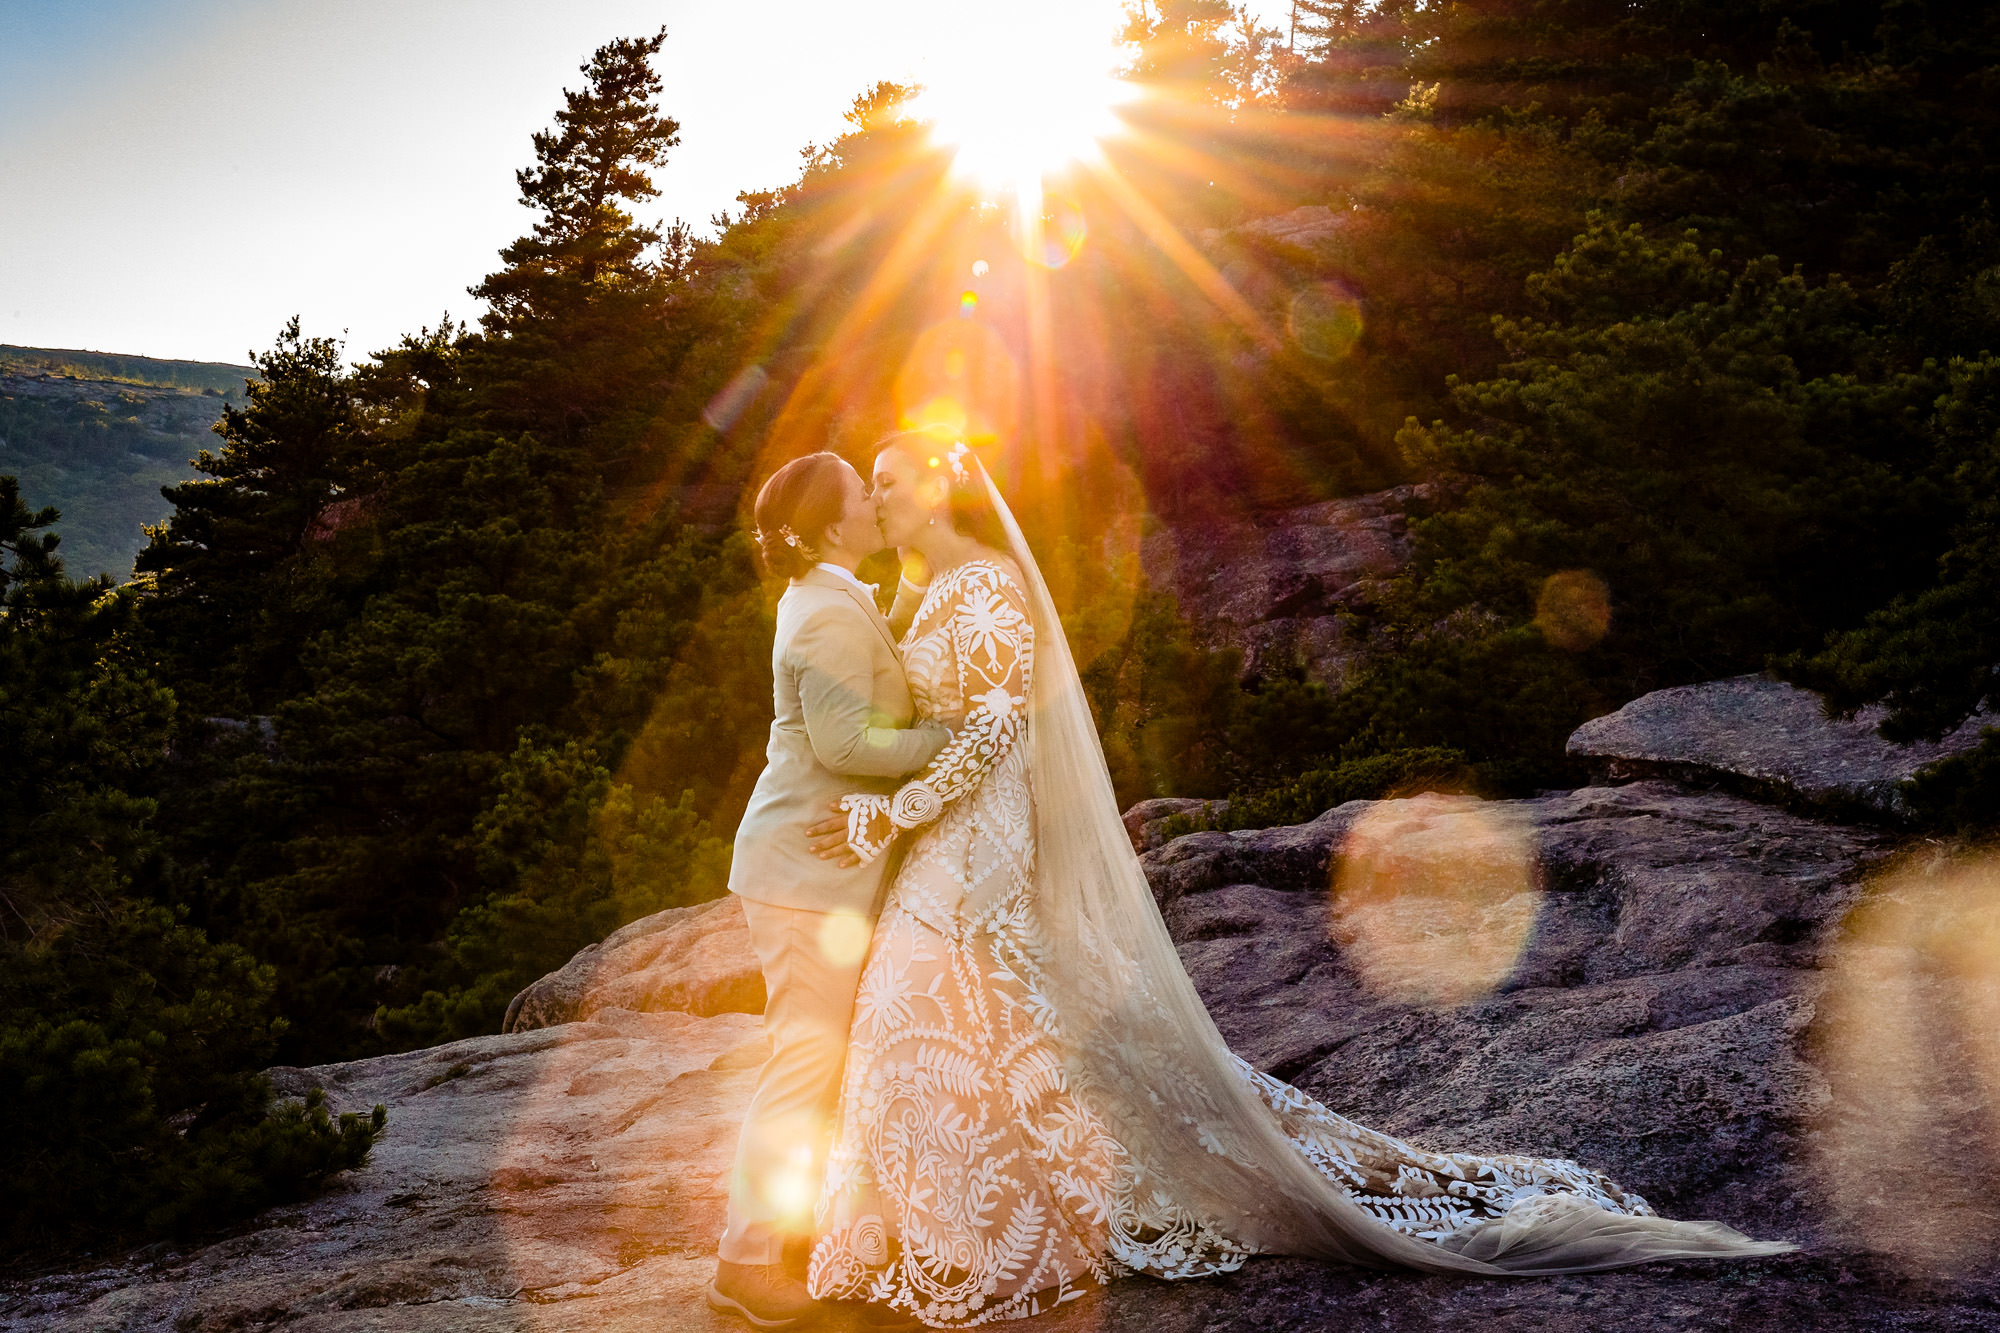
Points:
x=905 y=497
x=893 y=513
x=857 y=533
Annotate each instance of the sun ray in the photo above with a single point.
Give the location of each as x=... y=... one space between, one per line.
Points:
x=1185 y=256
x=910 y=251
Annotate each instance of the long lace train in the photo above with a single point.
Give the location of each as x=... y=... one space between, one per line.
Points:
x=1035 y=1097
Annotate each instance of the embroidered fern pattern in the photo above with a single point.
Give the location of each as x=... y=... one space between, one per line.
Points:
x=970 y=1178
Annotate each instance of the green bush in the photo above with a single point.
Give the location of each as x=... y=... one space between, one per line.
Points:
x=127 y=1105
x=1314 y=792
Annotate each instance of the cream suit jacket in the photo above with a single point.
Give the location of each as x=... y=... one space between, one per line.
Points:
x=842 y=725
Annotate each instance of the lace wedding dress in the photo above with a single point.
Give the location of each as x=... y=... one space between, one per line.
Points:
x=1034 y=1099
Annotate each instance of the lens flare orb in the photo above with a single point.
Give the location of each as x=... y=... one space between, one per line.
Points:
x=1324 y=320
x=1573 y=610
x=960 y=381
x=1434 y=897
x=1052 y=232
x=1908 y=1039
x=843 y=938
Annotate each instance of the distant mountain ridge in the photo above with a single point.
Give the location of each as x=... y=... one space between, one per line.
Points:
x=221 y=376
x=97 y=435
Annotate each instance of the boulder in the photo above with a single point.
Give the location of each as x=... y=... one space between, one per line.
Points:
x=1146 y=822
x=692 y=959
x=1306 y=226
x=1649 y=1021
x=1273 y=584
x=1661 y=1016
x=1762 y=737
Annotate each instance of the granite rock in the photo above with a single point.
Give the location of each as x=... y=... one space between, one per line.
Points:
x=1273 y=584
x=1146 y=822
x=1650 y=1021
x=1659 y=1016
x=1765 y=738
x=694 y=959
x=569 y=1177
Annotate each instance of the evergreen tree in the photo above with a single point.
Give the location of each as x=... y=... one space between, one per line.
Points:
x=128 y=1039
x=560 y=358
x=1720 y=449
x=506 y=633
x=1933 y=653
x=236 y=587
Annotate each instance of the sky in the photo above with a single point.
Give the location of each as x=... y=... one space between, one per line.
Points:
x=180 y=177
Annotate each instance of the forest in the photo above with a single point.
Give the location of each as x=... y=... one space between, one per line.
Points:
x=451 y=657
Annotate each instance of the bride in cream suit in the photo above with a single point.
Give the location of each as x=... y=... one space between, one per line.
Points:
x=843 y=722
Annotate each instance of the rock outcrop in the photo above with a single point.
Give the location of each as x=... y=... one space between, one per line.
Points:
x=1146 y=822
x=689 y=959
x=1305 y=226
x=1273 y=584
x=1647 y=1020
x=566 y=1178
x=1765 y=738
x=1644 y=977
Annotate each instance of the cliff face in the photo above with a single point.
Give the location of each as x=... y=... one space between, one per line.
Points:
x=1274 y=584
x=1705 y=994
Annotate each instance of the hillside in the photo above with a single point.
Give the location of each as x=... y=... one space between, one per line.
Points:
x=97 y=436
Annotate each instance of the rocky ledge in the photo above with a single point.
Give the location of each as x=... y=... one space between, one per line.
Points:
x=689 y=959
x=1705 y=994
x=1762 y=737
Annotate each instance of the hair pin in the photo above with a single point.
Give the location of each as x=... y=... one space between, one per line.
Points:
x=789 y=538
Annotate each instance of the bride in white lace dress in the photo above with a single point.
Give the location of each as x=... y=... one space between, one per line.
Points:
x=1035 y=1100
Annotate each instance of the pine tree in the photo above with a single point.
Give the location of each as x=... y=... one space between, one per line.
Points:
x=558 y=334
x=1933 y=654
x=234 y=589
x=128 y=1039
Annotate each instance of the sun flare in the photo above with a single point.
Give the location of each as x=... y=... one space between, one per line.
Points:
x=1033 y=89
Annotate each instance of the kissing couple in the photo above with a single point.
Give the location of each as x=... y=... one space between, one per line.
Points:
x=992 y=1086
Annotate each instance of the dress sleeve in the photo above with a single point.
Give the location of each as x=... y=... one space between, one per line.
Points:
x=909 y=598
x=994 y=646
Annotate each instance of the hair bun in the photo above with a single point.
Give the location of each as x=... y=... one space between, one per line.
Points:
x=778 y=557
x=794 y=507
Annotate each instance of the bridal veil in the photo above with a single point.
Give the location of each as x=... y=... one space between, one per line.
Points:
x=1141 y=1046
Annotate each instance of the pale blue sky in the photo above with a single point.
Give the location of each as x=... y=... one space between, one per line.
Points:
x=178 y=177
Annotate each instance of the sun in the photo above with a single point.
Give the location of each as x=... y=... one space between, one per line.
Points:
x=1030 y=89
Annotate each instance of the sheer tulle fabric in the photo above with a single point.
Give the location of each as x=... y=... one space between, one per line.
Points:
x=1098 y=1122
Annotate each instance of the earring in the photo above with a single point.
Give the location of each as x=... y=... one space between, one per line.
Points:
x=931 y=522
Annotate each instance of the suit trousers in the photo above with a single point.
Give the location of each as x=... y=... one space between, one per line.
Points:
x=812 y=967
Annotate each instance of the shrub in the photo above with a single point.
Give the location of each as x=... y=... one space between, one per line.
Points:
x=1318 y=790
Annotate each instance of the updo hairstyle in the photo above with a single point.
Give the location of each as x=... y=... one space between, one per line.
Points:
x=794 y=509
x=966 y=501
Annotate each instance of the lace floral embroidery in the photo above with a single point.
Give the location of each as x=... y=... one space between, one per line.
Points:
x=977 y=617
x=974 y=1176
